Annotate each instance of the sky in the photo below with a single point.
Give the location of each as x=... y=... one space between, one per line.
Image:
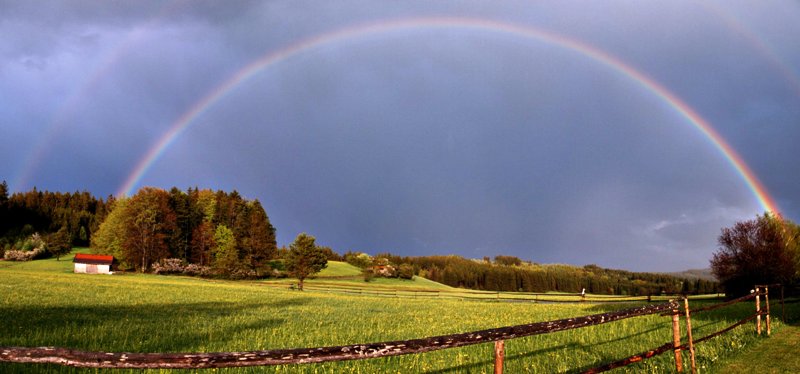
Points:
x=619 y=133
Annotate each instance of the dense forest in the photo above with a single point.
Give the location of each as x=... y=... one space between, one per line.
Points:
x=205 y=232
x=74 y=216
x=216 y=232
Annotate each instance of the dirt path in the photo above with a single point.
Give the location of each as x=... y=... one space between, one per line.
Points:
x=778 y=354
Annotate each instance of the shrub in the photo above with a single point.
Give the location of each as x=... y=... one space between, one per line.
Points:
x=405 y=271
x=14 y=255
x=197 y=270
x=169 y=266
x=243 y=274
x=368 y=274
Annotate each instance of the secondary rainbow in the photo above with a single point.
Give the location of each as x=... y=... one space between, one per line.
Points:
x=529 y=32
x=83 y=91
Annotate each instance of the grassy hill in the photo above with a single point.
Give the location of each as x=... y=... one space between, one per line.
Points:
x=339 y=269
x=343 y=274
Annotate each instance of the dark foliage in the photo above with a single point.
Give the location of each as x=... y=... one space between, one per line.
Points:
x=76 y=215
x=480 y=275
x=754 y=252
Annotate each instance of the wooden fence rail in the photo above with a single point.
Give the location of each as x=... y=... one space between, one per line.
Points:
x=77 y=358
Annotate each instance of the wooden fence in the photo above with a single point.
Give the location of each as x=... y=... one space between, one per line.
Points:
x=77 y=358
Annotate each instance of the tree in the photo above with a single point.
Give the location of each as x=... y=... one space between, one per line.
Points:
x=258 y=240
x=760 y=251
x=110 y=236
x=149 y=222
x=226 y=258
x=507 y=260
x=305 y=258
x=59 y=243
x=202 y=243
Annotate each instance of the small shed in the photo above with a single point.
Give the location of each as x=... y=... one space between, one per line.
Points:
x=93 y=264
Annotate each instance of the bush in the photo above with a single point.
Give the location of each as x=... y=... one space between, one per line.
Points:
x=14 y=255
x=177 y=266
x=197 y=270
x=29 y=249
x=405 y=271
x=358 y=259
x=368 y=274
x=243 y=274
x=169 y=266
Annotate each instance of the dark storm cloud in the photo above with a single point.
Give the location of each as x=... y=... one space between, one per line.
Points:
x=434 y=140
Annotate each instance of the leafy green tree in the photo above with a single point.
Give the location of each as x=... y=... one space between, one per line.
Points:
x=305 y=258
x=760 y=251
x=226 y=258
x=110 y=236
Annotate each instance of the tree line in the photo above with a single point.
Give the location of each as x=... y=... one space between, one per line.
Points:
x=55 y=220
x=510 y=273
x=216 y=231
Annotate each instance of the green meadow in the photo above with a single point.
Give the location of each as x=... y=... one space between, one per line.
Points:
x=42 y=303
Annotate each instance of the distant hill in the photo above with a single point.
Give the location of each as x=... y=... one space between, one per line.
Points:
x=704 y=274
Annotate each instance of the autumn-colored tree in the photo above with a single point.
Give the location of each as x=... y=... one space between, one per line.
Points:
x=149 y=222
x=759 y=251
x=304 y=258
x=202 y=243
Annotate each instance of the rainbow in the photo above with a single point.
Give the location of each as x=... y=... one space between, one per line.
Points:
x=757 y=43
x=70 y=104
x=349 y=33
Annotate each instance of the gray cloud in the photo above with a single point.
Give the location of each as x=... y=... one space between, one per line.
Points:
x=433 y=140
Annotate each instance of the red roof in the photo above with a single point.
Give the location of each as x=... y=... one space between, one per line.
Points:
x=83 y=258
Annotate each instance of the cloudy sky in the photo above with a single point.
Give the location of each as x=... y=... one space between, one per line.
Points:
x=556 y=131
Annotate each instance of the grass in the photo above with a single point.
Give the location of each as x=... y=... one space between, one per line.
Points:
x=339 y=269
x=778 y=354
x=43 y=304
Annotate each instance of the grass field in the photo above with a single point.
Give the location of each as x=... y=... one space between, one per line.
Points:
x=43 y=304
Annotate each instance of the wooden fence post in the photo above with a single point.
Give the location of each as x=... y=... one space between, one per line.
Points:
x=766 y=302
x=689 y=333
x=758 y=311
x=499 y=355
x=676 y=340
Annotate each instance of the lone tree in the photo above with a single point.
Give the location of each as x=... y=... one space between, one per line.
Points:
x=305 y=258
x=760 y=251
x=59 y=243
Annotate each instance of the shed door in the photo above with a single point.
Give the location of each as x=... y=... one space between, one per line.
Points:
x=91 y=269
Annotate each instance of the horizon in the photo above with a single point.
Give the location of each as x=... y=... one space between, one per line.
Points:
x=541 y=131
